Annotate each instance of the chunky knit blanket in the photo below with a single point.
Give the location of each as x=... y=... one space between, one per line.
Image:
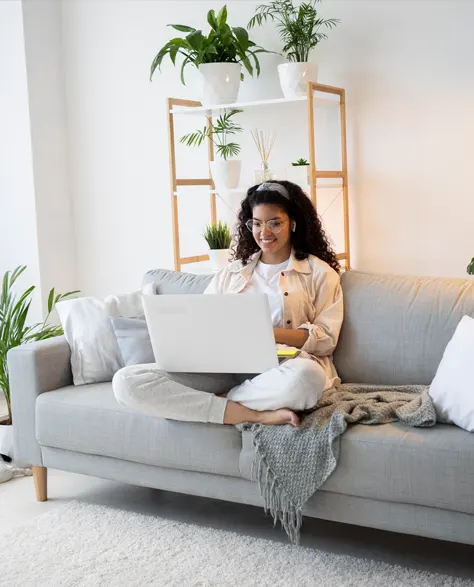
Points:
x=292 y=463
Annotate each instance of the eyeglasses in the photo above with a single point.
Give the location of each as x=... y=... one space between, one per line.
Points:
x=274 y=226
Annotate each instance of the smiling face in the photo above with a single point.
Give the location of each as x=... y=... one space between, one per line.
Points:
x=277 y=242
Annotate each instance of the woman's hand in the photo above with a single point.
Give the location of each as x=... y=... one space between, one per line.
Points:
x=295 y=338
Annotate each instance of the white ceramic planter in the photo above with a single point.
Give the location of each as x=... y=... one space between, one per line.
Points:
x=220 y=83
x=219 y=258
x=295 y=76
x=299 y=174
x=6 y=440
x=226 y=174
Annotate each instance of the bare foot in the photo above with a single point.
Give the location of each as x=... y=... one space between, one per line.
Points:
x=279 y=418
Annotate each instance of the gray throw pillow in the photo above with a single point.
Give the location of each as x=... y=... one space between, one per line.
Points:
x=133 y=340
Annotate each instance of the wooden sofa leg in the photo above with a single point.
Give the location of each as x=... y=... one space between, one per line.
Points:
x=40 y=477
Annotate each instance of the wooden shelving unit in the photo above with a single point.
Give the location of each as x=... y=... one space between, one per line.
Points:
x=179 y=107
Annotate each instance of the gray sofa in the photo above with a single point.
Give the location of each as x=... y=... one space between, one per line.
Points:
x=416 y=481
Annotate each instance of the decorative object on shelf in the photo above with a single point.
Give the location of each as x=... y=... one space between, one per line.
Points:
x=264 y=142
x=14 y=332
x=300 y=172
x=218 y=238
x=226 y=171
x=218 y=57
x=300 y=31
x=470 y=267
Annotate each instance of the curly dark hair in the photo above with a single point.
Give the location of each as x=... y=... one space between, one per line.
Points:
x=309 y=237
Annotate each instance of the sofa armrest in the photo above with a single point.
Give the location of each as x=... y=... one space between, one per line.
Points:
x=34 y=369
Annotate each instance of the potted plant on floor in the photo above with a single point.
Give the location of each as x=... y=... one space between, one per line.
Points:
x=218 y=238
x=225 y=171
x=300 y=29
x=14 y=331
x=218 y=57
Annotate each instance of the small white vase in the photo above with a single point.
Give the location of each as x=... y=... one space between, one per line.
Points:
x=219 y=258
x=295 y=76
x=226 y=174
x=6 y=440
x=220 y=83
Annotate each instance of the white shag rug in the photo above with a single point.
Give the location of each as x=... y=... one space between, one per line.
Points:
x=83 y=545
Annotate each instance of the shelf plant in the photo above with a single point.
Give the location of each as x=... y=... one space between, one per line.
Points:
x=218 y=238
x=219 y=53
x=300 y=172
x=300 y=162
x=225 y=172
x=301 y=29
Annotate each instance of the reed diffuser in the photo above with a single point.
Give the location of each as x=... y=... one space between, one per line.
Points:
x=264 y=141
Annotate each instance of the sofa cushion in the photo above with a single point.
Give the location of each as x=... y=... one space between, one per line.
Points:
x=426 y=466
x=171 y=283
x=396 y=328
x=89 y=420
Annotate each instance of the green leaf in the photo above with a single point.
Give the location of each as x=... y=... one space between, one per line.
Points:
x=222 y=16
x=218 y=236
x=196 y=138
x=173 y=52
x=195 y=40
x=50 y=300
x=247 y=64
x=242 y=36
x=66 y=295
x=211 y=19
x=182 y=28
x=183 y=65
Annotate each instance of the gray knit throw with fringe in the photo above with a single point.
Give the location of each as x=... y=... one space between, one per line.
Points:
x=292 y=463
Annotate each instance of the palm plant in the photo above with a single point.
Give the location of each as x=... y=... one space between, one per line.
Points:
x=299 y=26
x=223 y=44
x=218 y=236
x=219 y=133
x=14 y=330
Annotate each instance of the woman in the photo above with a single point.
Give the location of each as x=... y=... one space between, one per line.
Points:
x=282 y=251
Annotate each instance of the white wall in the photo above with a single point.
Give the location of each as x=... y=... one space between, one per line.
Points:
x=407 y=69
x=18 y=234
x=43 y=50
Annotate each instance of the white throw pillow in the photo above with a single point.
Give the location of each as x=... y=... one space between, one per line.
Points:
x=95 y=353
x=452 y=388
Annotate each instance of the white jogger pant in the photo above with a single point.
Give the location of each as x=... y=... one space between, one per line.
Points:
x=296 y=384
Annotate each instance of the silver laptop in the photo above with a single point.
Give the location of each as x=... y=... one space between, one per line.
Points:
x=228 y=333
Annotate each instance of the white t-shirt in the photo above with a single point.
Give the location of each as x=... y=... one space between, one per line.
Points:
x=265 y=280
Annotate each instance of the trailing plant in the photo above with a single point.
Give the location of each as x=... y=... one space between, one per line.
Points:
x=219 y=133
x=300 y=162
x=470 y=267
x=14 y=330
x=218 y=235
x=223 y=44
x=300 y=27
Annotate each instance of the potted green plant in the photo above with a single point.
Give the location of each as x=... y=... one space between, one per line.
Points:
x=14 y=331
x=218 y=238
x=300 y=172
x=300 y=27
x=218 y=57
x=470 y=267
x=226 y=170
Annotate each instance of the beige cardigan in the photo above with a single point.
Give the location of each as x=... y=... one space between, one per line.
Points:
x=312 y=299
